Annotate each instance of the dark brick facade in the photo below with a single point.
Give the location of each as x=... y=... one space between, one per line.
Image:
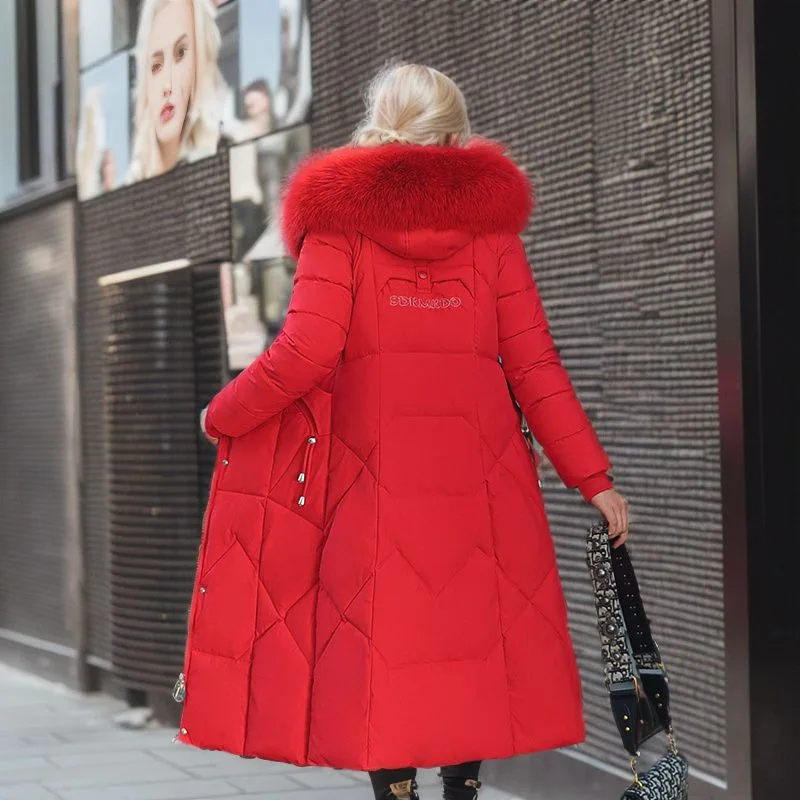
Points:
x=38 y=485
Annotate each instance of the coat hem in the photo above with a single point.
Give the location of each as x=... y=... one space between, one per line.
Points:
x=425 y=763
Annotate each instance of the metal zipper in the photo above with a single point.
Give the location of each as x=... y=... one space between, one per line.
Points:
x=304 y=476
x=179 y=689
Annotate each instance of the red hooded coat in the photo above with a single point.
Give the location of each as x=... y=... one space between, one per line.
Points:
x=377 y=584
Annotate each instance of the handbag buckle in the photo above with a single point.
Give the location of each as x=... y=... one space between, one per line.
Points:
x=672 y=742
x=635 y=770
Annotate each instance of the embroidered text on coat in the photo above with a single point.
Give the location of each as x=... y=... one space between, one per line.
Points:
x=432 y=303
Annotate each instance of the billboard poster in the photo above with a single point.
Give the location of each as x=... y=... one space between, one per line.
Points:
x=200 y=70
x=271 y=73
x=257 y=285
x=103 y=143
x=178 y=88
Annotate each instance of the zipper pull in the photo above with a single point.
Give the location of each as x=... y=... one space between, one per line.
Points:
x=179 y=690
x=301 y=478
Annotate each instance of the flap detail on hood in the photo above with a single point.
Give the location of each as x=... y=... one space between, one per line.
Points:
x=394 y=188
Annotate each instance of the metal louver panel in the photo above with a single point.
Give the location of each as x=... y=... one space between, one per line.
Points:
x=153 y=478
x=608 y=105
x=38 y=479
x=94 y=507
x=182 y=214
x=208 y=358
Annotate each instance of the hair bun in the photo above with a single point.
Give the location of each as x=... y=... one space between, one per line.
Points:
x=413 y=104
x=391 y=136
x=374 y=135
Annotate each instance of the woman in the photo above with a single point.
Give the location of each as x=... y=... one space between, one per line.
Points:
x=377 y=588
x=91 y=145
x=177 y=85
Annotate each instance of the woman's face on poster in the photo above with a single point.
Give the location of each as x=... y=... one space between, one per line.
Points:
x=171 y=69
x=256 y=104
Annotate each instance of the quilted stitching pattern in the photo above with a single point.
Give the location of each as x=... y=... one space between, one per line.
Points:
x=418 y=582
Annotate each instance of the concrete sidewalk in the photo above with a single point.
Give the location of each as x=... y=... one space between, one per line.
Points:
x=58 y=744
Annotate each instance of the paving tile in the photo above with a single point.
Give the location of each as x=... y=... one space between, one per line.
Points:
x=358 y=777
x=65 y=749
x=105 y=731
x=25 y=791
x=428 y=777
x=240 y=768
x=12 y=777
x=171 y=790
x=141 y=757
x=316 y=778
x=105 y=774
x=360 y=793
x=265 y=784
x=14 y=727
x=17 y=764
x=41 y=740
x=55 y=777
x=182 y=756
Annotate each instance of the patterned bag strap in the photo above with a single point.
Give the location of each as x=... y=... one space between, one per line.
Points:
x=635 y=676
x=637 y=625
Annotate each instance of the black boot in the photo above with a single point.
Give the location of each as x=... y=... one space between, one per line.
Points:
x=403 y=790
x=458 y=788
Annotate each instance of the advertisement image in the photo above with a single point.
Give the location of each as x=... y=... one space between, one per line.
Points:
x=257 y=286
x=103 y=144
x=263 y=120
x=178 y=89
x=181 y=75
x=270 y=72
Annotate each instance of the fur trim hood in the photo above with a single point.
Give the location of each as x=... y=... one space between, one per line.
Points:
x=406 y=187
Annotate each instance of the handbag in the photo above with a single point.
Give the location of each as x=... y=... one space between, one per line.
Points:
x=636 y=680
x=635 y=676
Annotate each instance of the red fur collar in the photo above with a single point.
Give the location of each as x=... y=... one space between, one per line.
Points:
x=406 y=187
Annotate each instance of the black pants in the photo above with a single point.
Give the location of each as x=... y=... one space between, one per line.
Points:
x=383 y=778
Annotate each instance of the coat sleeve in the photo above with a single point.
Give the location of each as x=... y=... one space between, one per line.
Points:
x=305 y=352
x=539 y=381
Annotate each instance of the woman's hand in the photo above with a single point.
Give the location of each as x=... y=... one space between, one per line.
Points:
x=614 y=507
x=211 y=439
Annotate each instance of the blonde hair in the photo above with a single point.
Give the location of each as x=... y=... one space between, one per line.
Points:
x=200 y=133
x=413 y=104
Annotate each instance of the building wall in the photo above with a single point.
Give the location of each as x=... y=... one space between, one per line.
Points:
x=608 y=106
x=39 y=472
x=182 y=214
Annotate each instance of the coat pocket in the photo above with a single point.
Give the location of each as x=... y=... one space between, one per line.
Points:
x=227 y=593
